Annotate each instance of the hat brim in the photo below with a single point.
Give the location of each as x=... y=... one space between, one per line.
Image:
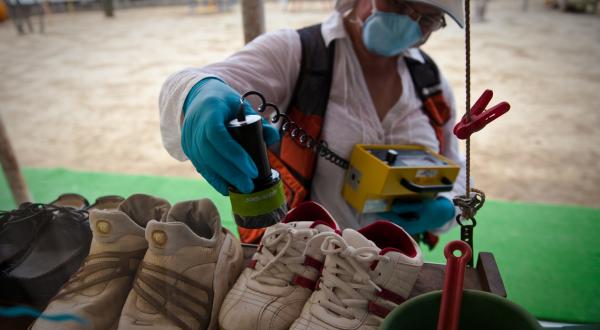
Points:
x=454 y=8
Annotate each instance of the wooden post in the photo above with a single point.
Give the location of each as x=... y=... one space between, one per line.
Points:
x=480 y=10
x=11 y=169
x=107 y=6
x=253 y=19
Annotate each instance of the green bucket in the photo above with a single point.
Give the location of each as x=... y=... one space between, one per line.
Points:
x=479 y=310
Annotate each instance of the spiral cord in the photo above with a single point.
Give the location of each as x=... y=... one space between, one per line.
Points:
x=297 y=133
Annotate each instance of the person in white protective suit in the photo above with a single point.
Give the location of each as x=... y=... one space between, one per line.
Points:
x=371 y=100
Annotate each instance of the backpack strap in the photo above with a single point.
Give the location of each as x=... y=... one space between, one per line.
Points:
x=425 y=75
x=307 y=107
x=426 y=78
x=311 y=93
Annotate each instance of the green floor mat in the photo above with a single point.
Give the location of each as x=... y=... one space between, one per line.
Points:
x=46 y=185
x=548 y=255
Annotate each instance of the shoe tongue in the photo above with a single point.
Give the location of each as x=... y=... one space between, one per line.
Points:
x=201 y=216
x=311 y=215
x=356 y=239
x=143 y=208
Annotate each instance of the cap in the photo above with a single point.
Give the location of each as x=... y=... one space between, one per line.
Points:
x=454 y=8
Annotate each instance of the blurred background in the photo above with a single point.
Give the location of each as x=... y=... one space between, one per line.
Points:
x=83 y=94
x=79 y=102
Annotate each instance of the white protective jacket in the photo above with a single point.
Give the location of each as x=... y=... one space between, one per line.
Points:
x=270 y=64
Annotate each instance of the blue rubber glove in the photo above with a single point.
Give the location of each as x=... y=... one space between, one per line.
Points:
x=421 y=216
x=205 y=140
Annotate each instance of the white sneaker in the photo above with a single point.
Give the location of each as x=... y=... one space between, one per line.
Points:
x=367 y=273
x=271 y=292
x=190 y=265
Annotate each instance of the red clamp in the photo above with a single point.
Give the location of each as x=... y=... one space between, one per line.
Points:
x=480 y=117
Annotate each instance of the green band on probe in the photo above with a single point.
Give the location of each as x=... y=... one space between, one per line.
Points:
x=257 y=203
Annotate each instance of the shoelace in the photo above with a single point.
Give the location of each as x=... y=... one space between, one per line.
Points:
x=27 y=210
x=347 y=286
x=23 y=213
x=77 y=215
x=290 y=245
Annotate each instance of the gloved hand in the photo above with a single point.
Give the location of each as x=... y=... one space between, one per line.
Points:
x=421 y=216
x=205 y=140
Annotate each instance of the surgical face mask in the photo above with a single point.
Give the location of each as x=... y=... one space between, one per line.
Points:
x=389 y=34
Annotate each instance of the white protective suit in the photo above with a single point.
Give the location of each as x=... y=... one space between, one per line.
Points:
x=270 y=64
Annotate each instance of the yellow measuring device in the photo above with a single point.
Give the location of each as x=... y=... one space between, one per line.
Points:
x=378 y=174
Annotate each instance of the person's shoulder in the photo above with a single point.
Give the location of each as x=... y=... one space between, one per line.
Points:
x=276 y=42
x=278 y=37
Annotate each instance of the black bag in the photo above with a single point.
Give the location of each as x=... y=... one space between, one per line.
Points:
x=41 y=246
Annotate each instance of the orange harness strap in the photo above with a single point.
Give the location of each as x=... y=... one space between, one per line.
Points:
x=436 y=108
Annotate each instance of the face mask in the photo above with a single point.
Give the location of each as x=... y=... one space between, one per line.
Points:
x=389 y=34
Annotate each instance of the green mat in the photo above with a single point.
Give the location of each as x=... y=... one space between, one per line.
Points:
x=548 y=255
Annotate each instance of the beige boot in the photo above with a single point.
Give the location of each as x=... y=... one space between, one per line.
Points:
x=367 y=273
x=97 y=291
x=190 y=265
x=270 y=293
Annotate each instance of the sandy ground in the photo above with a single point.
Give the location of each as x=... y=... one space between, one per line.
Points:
x=84 y=94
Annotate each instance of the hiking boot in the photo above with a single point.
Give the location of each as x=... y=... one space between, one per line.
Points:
x=367 y=274
x=75 y=201
x=190 y=265
x=109 y=202
x=18 y=230
x=97 y=291
x=282 y=274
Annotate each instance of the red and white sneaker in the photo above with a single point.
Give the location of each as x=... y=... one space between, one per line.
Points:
x=271 y=291
x=367 y=273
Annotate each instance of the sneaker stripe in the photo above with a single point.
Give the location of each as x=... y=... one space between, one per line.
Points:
x=312 y=262
x=158 y=306
x=252 y=264
x=304 y=282
x=387 y=295
x=120 y=268
x=378 y=310
x=391 y=296
x=154 y=278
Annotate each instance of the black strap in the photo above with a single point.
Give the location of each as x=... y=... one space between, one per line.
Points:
x=425 y=76
x=311 y=93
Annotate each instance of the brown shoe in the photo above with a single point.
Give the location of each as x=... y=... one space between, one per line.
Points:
x=97 y=291
x=75 y=201
x=109 y=202
x=190 y=265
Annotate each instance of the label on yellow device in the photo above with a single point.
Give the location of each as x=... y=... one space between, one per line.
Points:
x=257 y=203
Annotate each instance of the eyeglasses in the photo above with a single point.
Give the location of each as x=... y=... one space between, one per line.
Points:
x=428 y=22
